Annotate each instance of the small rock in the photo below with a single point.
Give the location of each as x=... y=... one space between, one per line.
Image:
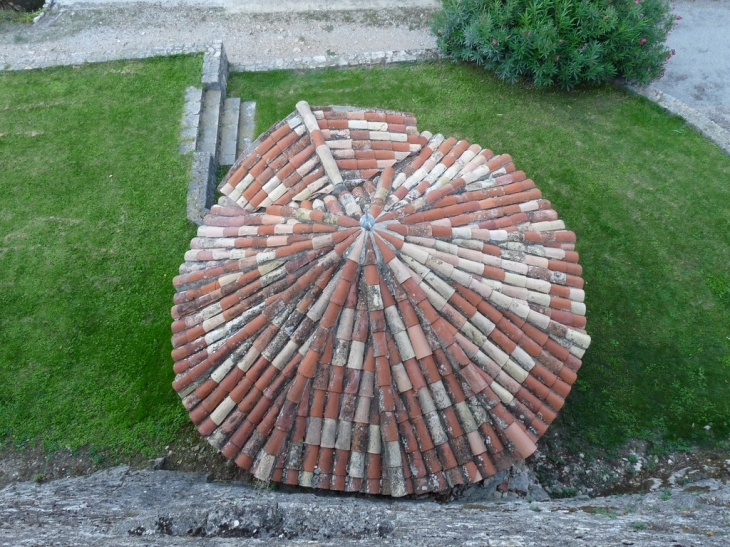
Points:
x=519 y=483
x=157 y=463
x=538 y=493
x=655 y=483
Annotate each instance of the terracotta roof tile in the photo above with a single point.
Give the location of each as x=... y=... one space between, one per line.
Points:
x=376 y=309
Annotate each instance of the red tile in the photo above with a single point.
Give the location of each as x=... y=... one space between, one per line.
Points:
x=274 y=400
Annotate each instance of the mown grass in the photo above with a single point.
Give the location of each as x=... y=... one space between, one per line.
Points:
x=649 y=199
x=92 y=230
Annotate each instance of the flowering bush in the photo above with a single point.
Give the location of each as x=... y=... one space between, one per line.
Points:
x=558 y=42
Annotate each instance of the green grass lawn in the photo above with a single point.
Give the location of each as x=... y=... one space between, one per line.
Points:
x=92 y=230
x=649 y=199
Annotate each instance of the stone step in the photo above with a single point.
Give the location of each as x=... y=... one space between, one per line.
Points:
x=191 y=119
x=210 y=120
x=229 y=131
x=246 y=126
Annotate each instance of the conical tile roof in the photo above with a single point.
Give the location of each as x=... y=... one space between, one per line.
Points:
x=377 y=310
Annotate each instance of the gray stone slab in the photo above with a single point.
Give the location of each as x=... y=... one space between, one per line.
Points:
x=191 y=119
x=246 y=125
x=353 y=59
x=215 y=68
x=210 y=121
x=201 y=189
x=229 y=131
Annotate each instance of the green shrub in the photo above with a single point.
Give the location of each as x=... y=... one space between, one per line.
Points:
x=21 y=5
x=558 y=42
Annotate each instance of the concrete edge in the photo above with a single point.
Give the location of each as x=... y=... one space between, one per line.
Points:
x=191 y=119
x=694 y=118
x=333 y=61
x=202 y=187
x=215 y=68
x=82 y=57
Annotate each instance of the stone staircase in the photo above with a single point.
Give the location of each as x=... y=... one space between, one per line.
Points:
x=215 y=128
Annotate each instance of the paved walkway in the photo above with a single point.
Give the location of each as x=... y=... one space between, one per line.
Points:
x=699 y=73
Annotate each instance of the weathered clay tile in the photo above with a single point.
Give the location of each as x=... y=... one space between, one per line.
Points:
x=373 y=309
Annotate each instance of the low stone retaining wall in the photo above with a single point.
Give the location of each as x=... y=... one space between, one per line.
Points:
x=120 y=507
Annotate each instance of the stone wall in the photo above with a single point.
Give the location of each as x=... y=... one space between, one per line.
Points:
x=121 y=507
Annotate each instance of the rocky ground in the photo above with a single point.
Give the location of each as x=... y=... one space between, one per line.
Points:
x=120 y=507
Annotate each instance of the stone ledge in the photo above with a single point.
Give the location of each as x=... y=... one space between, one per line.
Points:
x=354 y=59
x=202 y=188
x=31 y=63
x=215 y=68
x=120 y=507
x=191 y=119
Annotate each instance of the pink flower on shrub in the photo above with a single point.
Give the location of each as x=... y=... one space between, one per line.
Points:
x=494 y=42
x=642 y=41
x=557 y=57
x=636 y=2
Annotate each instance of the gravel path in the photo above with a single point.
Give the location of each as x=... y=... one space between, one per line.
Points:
x=248 y=38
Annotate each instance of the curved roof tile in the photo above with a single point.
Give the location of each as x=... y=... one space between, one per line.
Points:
x=375 y=309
